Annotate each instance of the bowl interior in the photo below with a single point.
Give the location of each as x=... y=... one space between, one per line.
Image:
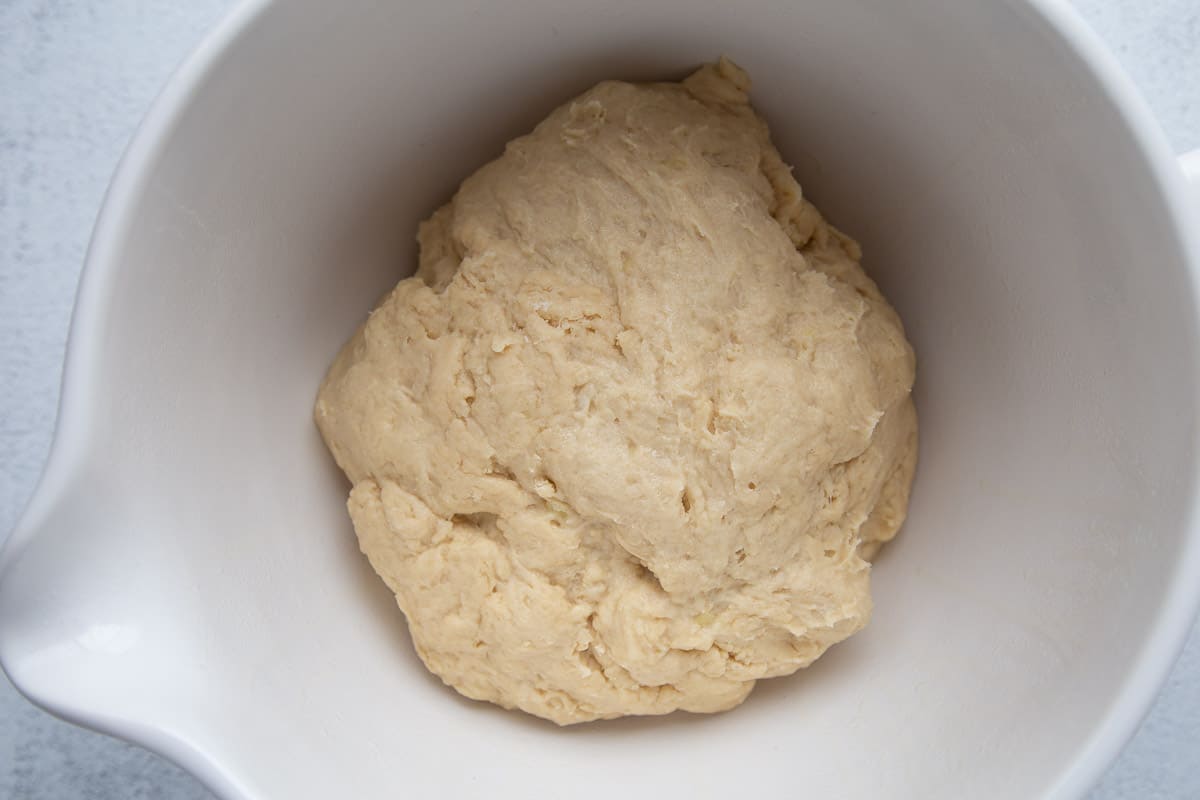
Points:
x=1003 y=205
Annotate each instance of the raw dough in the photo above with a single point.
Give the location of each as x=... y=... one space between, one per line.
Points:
x=624 y=442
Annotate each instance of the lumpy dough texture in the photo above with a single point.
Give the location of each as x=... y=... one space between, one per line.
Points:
x=625 y=442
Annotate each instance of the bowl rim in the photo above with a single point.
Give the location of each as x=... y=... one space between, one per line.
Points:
x=1165 y=640
x=1124 y=710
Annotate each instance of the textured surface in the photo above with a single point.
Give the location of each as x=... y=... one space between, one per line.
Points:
x=721 y=429
x=76 y=77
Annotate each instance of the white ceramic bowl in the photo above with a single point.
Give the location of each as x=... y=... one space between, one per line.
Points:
x=187 y=578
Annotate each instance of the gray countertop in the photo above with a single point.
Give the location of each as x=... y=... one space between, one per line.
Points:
x=76 y=76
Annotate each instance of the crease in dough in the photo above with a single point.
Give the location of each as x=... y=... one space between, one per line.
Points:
x=625 y=442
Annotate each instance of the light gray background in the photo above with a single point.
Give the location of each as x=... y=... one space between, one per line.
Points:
x=75 y=78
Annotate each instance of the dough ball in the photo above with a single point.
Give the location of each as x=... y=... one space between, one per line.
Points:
x=625 y=441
